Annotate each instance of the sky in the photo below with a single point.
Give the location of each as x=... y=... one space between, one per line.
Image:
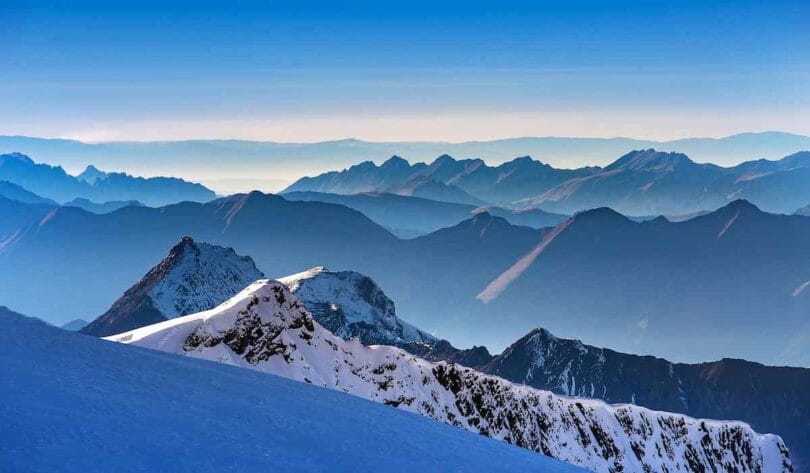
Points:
x=390 y=71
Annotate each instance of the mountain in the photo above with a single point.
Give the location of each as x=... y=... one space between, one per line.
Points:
x=265 y=328
x=201 y=159
x=193 y=277
x=727 y=284
x=468 y=181
x=101 y=208
x=771 y=399
x=75 y=325
x=351 y=305
x=408 y=216
x=92 y=259
x=12 y=191
x=731 y=279
x=91 y=174
x=17 y=218
x=54 y=183
x=81 y=404
x=650 y=182
x=803 y=211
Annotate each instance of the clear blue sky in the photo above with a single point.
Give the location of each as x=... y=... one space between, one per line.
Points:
x=308 y=71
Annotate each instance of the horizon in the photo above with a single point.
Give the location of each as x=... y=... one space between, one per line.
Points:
x=437 y=141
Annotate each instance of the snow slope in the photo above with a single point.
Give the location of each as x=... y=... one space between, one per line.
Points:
x=350 y=304
x=77 y=403
x=267 y=329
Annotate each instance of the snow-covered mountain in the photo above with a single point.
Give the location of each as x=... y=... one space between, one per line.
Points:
x=192 y=278
x=266 y=328
x=350 y=304
x=73 y=403
x=770 y=398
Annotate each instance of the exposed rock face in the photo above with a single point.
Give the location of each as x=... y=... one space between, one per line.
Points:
x=349 y=304
x=266 y=328
x=772 y=399
x=192 y=278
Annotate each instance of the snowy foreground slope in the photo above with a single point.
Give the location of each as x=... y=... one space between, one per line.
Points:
x=267 y=329
x=71 y=402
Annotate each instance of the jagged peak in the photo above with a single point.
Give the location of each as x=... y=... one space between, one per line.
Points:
x=395 y=162
x=650 y=159
x=445 y=158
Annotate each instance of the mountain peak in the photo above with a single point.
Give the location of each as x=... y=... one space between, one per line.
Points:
x=193 y=277
x=91 y=174
x=445 y=158
x=19 y=157
x=351 y=305
x=743 y=205
x=650 y=160
x=395 y=162
x=600 y=215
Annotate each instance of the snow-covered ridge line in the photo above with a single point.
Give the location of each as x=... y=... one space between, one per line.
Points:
x=266 y=328
x=352 y=305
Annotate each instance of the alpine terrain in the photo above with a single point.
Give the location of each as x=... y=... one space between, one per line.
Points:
x=266 y=328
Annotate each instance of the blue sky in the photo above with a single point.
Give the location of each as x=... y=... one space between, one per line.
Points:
x=308 y=71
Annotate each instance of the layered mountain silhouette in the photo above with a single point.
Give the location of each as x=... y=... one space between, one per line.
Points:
x=53 y=182
x=652 y=182
x=643 y=182
x=103 y=207
x=12 y=191
x=731 y=283
x=408 y=216
x=468 y=181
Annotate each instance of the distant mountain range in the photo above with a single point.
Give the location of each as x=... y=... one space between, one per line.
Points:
x=52 y=182
x=731 y=283
x=266 y=328
x=468 y=179
x=213 y=160
x=12 y=191
x=407 y=216
x=645 y=182
x=103 y=207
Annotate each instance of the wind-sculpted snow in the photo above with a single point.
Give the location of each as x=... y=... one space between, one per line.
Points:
x=350 y=304
x=267 y=329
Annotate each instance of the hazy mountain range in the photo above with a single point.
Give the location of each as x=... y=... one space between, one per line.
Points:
x=407 y=216
x=645 y=182
x=227 y=162
x=730 y=283
x=52 y=182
